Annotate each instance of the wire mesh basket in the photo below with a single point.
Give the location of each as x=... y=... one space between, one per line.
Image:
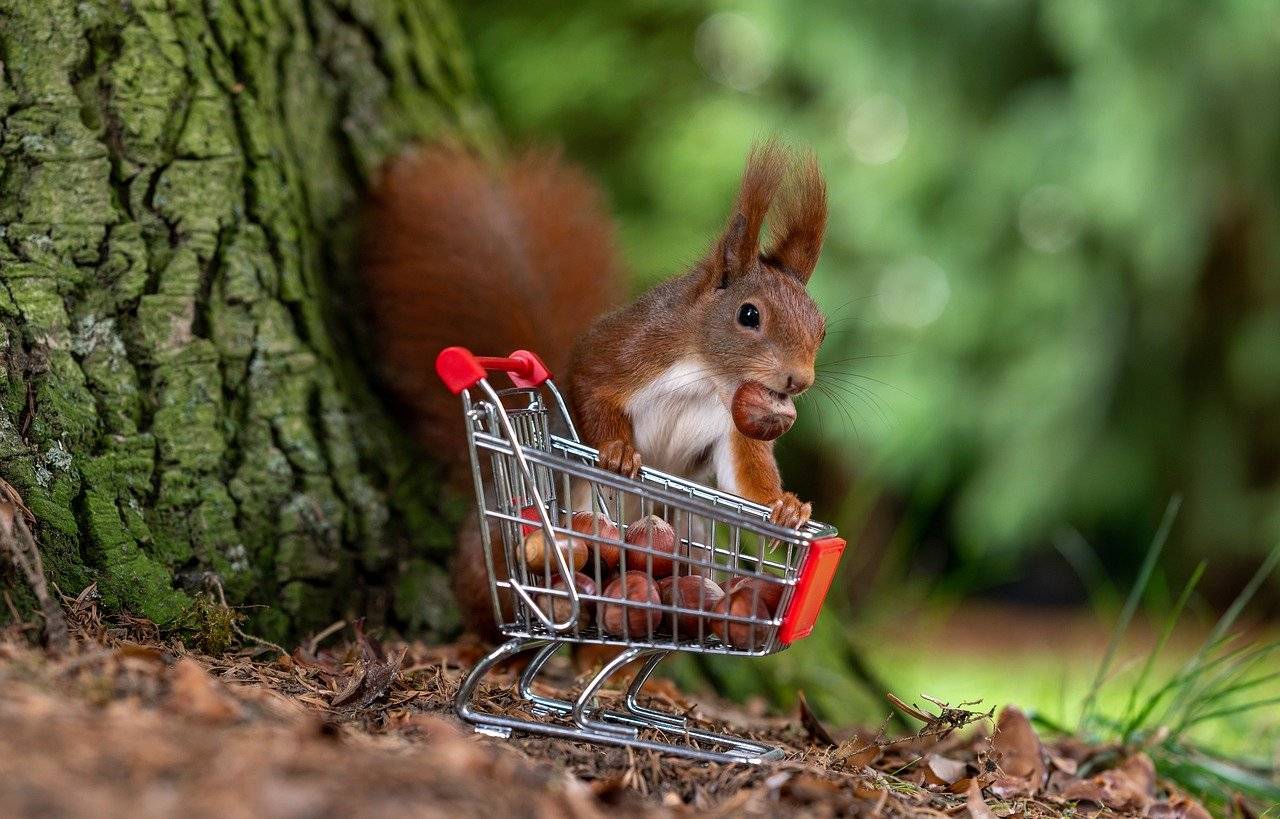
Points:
x=652 y=565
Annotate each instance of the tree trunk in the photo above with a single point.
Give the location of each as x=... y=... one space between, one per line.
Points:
x=181 y=401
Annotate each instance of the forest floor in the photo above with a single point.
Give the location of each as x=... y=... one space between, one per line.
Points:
x=126 y=723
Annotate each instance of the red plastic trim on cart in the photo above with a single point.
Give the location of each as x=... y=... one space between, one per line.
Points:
x=529 y=512
x=815 y=578
x=460 y=369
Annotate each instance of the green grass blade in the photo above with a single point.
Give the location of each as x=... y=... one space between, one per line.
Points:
x=1130 y=607
x=1226 y=682
x=1175 y=682
x=1224 y=624
x=1130 y=725
x=1239 y=708
x=1104 y=598
x=1199 y=773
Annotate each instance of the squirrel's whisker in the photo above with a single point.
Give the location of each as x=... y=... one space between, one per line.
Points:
x=874 y=380
x=842 y=408
x=849 y=391
x=863 y=357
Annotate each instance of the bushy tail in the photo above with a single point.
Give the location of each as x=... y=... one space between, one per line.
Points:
x=459 y=252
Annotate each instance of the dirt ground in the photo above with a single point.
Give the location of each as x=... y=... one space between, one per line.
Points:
x=125 y=723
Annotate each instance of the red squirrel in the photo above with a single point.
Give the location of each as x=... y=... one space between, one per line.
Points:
x=521 y=255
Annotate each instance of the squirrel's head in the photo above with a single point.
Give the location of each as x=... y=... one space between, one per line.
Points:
x=757 y=321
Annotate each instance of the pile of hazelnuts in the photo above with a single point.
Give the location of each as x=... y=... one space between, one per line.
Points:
x=745 y=597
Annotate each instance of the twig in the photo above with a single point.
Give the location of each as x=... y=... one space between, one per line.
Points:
x=314 y=642
x=942 y=724
x=19 y=544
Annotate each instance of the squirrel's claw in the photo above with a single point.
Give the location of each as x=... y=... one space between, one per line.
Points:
x=789 y=511
x=620 y=457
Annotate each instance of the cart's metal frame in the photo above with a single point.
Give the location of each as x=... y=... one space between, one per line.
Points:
x=527 y=478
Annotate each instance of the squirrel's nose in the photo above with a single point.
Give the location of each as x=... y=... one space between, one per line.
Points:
x=798 y=383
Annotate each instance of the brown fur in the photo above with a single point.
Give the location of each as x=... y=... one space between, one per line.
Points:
x=800 y=223
x=459 y=253
x=697 y=314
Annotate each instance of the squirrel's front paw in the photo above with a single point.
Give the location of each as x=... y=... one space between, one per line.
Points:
x=789 y=511
x=620 y=457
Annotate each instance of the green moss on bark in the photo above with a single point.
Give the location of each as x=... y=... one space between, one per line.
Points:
x=175 y=204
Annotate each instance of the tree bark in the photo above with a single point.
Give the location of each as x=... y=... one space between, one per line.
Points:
x=181 y=395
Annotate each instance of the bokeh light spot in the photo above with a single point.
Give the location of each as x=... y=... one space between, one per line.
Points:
x=913 y=292
x=1049 y=218
x=734 y=50
x=877 y=129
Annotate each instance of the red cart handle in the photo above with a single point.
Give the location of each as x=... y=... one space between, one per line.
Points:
x=816 y=574
x=460 y=370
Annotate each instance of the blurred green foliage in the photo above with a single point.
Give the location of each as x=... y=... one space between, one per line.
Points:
x=1051 y=271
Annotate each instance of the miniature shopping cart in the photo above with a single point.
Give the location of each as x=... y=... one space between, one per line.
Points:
x=530 y=480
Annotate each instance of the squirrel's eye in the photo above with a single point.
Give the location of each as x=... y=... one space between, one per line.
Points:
x=749 y=316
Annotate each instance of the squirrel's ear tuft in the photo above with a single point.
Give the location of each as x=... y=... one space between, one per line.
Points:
x=797 y=228
x=738 y=247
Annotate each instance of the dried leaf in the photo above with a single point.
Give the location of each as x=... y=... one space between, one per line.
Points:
x=377 y=680
x=1128 y=787
x=138 y=651
x=948 y=771
x=370 y=649
x=815 y=729
x=370 y=679
x=1011 y=787
x=864 y=790
x=1065 y=764
x=977 y=806
x=858 y=752
x=10 y=494
x=194 y=693
x=352 y=687
x=18 y=545
x=805 y=787
x=1017 y=748
x=1178 y=806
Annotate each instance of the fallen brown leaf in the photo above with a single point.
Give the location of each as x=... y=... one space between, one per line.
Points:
x=1065 y=764
x=946 y=770
x=805 y=787
x=352 y=688
x=977 y=806
x=138 y=651
x=1178 y=806
x=1017 y=748
x=858 y=752
x=370 y=679
x=1128 y=787
x=1011 y=787
x=196 y=694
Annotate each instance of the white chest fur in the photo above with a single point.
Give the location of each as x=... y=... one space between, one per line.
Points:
x=680 y=420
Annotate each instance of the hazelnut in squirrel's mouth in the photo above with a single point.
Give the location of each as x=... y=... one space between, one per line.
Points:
x=762 y=413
